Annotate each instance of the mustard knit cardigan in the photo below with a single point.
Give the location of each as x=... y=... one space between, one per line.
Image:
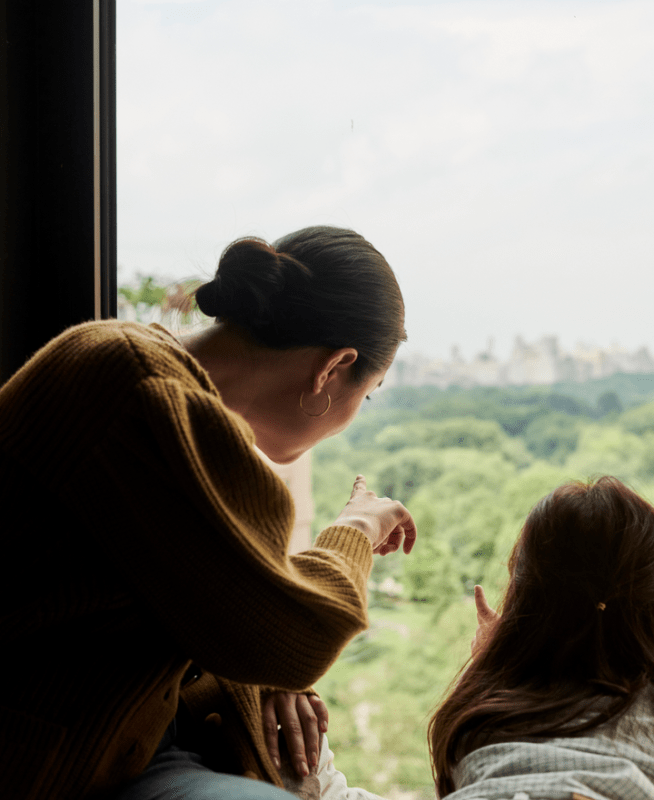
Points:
x=141 y=533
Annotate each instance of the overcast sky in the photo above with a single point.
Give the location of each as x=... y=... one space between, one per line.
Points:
x=499 y=154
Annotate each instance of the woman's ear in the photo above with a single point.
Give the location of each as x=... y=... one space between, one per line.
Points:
x=335 y=368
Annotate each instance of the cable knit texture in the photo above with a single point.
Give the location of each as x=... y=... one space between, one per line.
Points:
x=146 y=533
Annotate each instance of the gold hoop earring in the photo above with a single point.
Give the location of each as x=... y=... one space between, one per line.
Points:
x=322 y=413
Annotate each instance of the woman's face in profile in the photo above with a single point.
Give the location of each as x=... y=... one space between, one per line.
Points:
x=349 y=401
x=284 y=441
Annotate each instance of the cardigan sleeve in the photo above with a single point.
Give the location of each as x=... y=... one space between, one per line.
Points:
x=198 y=525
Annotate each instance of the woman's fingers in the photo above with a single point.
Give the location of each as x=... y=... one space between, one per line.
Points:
x=302 y=720
x=271 y=730
x=321 y=711
x=403 y=534
x=304 y=745
x=410 y=533
x=293 y=732
x=392 y=543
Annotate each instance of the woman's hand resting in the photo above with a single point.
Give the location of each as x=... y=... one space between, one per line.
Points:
x=384 y=521
x=302 y=718
x=487 y=619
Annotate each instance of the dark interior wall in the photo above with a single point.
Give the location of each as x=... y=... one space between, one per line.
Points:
x=49 y=278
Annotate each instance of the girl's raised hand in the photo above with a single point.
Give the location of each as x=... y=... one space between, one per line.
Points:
x=386 y=522
x=486 y=620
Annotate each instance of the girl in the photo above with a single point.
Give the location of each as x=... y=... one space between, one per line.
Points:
x=557 y=701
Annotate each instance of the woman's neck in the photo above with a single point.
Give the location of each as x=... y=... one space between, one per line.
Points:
x=233 y=364
x=261 y=384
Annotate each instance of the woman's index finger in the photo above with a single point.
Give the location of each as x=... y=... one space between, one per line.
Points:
x=359 y=486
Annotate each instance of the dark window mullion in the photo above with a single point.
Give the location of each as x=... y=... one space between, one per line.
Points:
x=107 y=77
x=48 y=162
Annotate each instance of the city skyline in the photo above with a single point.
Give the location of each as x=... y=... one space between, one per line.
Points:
x=540 y=362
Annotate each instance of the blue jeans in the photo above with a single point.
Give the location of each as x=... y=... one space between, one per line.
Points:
x=175 y=774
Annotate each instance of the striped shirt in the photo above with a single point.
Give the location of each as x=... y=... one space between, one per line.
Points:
x=614 y=761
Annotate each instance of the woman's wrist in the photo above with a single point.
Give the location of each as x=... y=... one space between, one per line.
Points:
x=349 y=542
x=360 y=523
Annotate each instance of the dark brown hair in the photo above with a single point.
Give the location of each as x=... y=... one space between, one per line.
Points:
x=319 y=286
x=576 y=626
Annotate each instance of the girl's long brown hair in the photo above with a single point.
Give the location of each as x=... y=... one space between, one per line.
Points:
x=556 y=649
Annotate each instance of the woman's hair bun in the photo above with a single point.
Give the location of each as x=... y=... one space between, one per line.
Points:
x=207 y=297
x=249 y=286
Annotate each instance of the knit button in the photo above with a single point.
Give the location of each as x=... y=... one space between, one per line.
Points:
x=215 y=720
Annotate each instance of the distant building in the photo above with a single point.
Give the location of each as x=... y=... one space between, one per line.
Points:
x=538 y=363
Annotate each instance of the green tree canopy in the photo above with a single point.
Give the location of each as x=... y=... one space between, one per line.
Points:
x=638 y=420
x=478 y=434
x=607 y=450
x=552 y=436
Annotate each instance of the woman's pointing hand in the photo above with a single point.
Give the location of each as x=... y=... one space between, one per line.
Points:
x=386 y=522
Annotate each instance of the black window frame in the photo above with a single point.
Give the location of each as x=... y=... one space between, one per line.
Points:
x=58 y=170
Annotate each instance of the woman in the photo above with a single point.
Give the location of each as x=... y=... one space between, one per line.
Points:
x=557 y=702
x=149 y=552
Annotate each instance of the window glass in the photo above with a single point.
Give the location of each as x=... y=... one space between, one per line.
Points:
x=499 y=154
